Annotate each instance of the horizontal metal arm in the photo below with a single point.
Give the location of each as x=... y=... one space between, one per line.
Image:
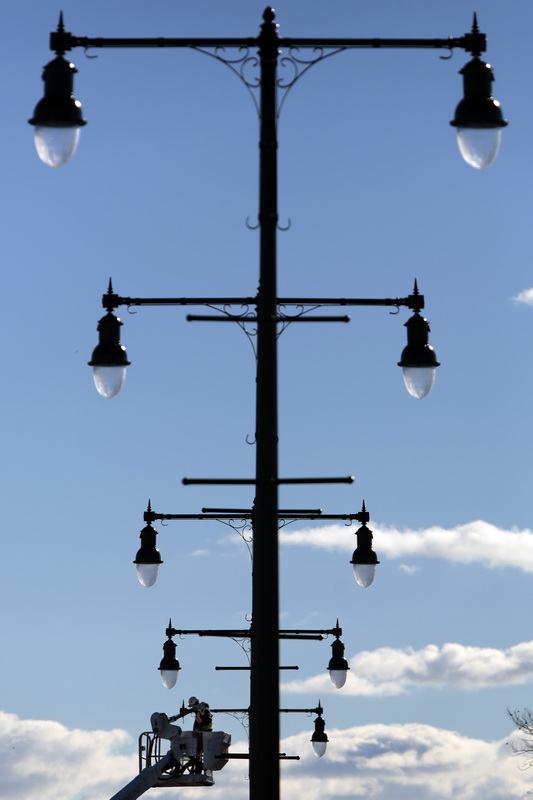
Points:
x=253 y=481
x=62 y=41
x=211 y=318
x=150 y=516
x=327 y=631
x=282 y=756
x=246 y=634
x=111 y=301
x=317 y=710
x=249 y=668
x=413 y=301
x=467 y=42
x=231 y=634
x=284 y=511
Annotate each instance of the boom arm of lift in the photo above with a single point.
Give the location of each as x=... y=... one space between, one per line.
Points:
x=145 y=780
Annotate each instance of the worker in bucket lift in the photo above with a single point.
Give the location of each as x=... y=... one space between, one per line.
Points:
x=203 y=718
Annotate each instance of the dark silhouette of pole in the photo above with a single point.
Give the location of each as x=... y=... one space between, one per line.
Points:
x=264 y=673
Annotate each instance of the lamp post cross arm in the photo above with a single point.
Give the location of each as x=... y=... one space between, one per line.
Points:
x=62 y=41
x=470 y=42
x=152 y=516
x=110 y=301
x=231 y=634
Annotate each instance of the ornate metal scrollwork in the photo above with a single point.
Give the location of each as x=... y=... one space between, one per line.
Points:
x=244 y=63
x=240 y=319
x=243 y=529
x=299 y=311
x=241 y=65
x=300 y=66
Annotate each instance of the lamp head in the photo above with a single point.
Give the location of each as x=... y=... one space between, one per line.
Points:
x=418 y=360
x=109 y=358
x=338 y=666
x=57 y=116
x=319 y=739
x=364 y=559
x=478 y=117
x=169 y=666
x=148 y=557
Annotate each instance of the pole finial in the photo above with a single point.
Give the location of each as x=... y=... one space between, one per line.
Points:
x=269 y=14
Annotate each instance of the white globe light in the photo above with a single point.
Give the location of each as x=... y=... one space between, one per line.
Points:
x=338 y=677
x=479 y=146
x=319 y=748
x=169 y=677
x=419 y=380
x=109 y=380
x=147 y=574
x=364 y=574
x=56 y=145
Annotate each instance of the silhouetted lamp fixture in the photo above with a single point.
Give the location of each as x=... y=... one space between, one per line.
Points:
x=478 y=117
x=418 y=360
x=169 y=666
x=148 y=557
x=109 y=359
x=338 y=666
x=364 y=559
x=57 y=117
x=319 y=739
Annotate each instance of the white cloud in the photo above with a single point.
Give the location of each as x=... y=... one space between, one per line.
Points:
x=410 y=570
x=408 y=762
x=525 y=296
x=46 y=760
x=388 y=671
x=476 y=541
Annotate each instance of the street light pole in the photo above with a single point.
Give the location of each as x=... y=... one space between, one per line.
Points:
x=264 y=675
x=57 y=119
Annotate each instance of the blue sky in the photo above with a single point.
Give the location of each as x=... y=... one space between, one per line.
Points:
x=157 y=197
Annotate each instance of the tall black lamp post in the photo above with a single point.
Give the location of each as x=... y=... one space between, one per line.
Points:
x=58 y=120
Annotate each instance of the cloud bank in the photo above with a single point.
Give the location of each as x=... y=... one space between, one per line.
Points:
x=408 y=762
x=525 y=296
x=388 y=671
x=476 y=541
x=43 y=759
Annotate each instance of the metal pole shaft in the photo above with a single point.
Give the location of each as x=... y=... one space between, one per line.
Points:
x=264 y=673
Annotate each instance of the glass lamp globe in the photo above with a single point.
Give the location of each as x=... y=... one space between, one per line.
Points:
x=56 y=145
x=364 y=574
x=109 y=380
x=147 y=574
x=479 y=146
x=169 y=678
x=419 y=380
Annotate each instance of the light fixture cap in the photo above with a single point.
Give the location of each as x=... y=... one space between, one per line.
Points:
x=109 y=352
x=418 y=352
x=478 y=109
x=58 y=108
